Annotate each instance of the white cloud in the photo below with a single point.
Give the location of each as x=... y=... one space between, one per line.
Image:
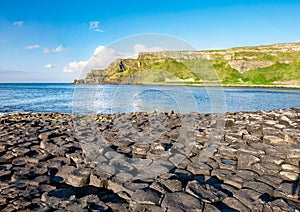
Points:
x=94 y=25
x=47 y=51
x=99 y=30
x=18 y=23
x=103 y=56
x=48 y=66
x=35 y=46
x=75 y=66
x=59 y=48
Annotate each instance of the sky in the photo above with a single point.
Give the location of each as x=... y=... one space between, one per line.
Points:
x=51 y=40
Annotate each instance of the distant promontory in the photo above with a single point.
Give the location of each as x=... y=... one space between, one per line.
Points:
x=270 y=65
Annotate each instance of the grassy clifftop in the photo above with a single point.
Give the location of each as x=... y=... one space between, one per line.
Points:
x=272 y=65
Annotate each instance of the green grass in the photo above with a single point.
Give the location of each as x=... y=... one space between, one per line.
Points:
x=227 y=74
x=276 y=72
x=151 y=76
x=173 y=68
x=157 y=70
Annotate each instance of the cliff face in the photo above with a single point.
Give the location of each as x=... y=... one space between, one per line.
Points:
x=260 y=65
x=249 y=58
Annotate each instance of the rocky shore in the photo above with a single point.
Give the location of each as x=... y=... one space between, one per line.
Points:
x=245 y=161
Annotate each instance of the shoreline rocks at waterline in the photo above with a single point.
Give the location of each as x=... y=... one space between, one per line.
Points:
x=150 y=162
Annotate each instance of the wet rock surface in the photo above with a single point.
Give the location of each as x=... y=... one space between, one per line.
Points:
x=245 y=161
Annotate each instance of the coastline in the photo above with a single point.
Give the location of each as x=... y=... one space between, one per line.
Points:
x=168 y=84
x=198 y=85
x=53 y=161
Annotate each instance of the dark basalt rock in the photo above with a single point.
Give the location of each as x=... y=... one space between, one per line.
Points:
x=235 y=204
x=247 y=196
x=172 y=184
x=282 y=205
x=146 y=197
x=199 y=168
x=150 y=162
x=246 y=161
x=205 y=192
x=180 y=201
x=259 y=186
x=289 y=191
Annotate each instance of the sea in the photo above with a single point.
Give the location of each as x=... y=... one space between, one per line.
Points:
x=70 y=98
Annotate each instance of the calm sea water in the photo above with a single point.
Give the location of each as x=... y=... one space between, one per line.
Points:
x=69 y=98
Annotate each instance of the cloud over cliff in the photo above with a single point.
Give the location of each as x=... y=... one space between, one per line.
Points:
x=103 y=56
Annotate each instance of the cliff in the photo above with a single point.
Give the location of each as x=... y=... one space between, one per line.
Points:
x=277 y=64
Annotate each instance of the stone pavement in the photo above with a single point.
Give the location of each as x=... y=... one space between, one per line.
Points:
x=245 y=161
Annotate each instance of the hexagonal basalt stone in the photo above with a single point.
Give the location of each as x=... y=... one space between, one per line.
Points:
x=159 y=187
x=20 y=151
x=289 y=167
x=199 y=168
x=281 y=205
x=172 y=184
x=144 y=208
x=205 y=192
x=271 y=159
x=266 y=168
x=245 y=161
x=227 y=163
x=246 y=196
x=98 y=180
x=288 y=175
x=293 y=153
x=235 y=204
x=247 y=174
x=209 y=208
x=273 y=140
x=180 y=201
x=260 y=187
x=73 y=176
x=20 y=161
x=59 y=198
x=227 y=151
x=7 y=157
x=289 y=191
x=140 y=149
x=229 y=177
x=146 y=196
x=273 y=181
x=251 y=151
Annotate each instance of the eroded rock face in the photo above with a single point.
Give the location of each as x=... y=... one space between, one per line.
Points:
x=150 y=161
x=241 y=59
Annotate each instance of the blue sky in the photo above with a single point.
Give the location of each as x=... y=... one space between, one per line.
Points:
x=38 y=39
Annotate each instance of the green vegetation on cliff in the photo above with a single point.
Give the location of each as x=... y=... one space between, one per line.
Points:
x=272 y=65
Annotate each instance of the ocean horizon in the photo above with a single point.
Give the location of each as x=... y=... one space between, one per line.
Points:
x=68 y=98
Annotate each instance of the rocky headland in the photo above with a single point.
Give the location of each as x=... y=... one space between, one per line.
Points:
x=269 y=65
x=245 y=161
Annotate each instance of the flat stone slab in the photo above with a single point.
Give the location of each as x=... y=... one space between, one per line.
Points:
x=205 y=192
x=146 y=197
x=180 y=201
x=289 y=191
